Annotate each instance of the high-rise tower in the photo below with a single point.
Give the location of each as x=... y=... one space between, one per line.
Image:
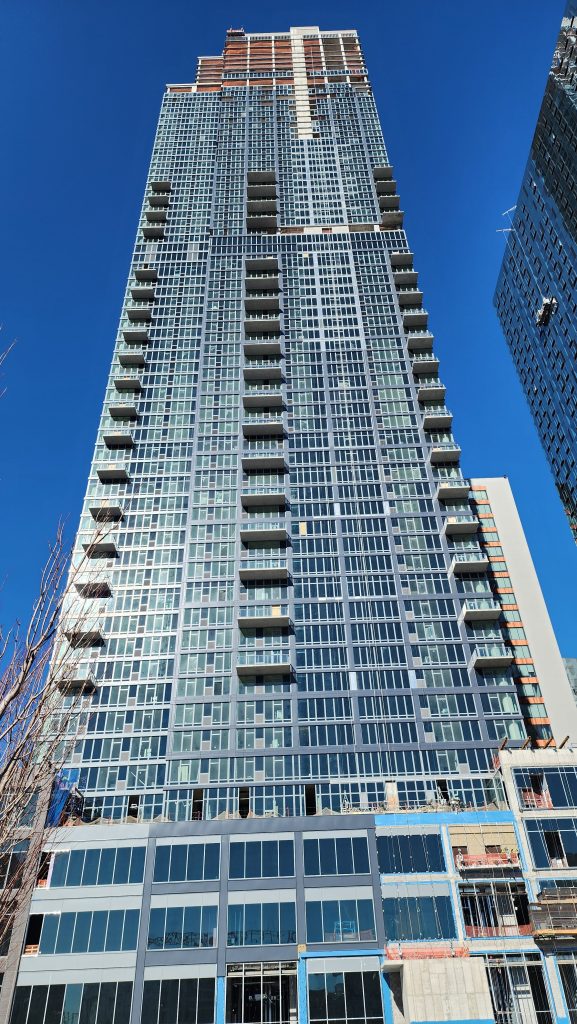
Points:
x=535 y=295
x=289 y=646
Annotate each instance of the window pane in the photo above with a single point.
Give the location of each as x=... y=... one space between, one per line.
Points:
x=327 y=857
x=106 y=867
x=236 y=869
x=344 y=856
x=205 y=1001
x=65 y=932
x=98 y=931
x=191 y=928
x=130 y=933
x=288 y=931
x=211 y=860
x=161 y=863
x=137 y=865
x=194 y=868
x=59 y=868
x=90 y=872
x=114 y=930
x=314 y=922
x=286 y=858
x=49 y=933
x=150 y=1000
x=122 y=865
x=361 y=855
x=311 y=858
x=270 y=860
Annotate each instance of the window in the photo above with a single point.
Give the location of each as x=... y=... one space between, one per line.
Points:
x=418 y=917
x=261 y=924
x=402 y=854
x=260 y=993
x=268 y=859
x=178 y=1001
x=109 y=865
x=344 y=920
x=182 y=862
x=96 y=931
x=108 y=1001
x=553 y=842
x=518 y=989
x=343 y=856
x=182 y=927
x=354 y=996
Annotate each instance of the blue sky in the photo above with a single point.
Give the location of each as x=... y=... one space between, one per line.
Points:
x=458 y=87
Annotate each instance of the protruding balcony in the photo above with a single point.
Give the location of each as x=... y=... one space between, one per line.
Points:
x=74 y=681
x=401 y=259
x=430 y=389
x=388 y=201
x=481 y=609
x=452 y=488
x=437 y=417
x=415 y=316
x=408 y=296
x=132 y=358
x=469 y=561
x=392 y=219
x=100 y=547
x=264 y=569
x=419 y=341
x=145 y=273
x=259 y=530
x=264 y=617
x=264 y=206
x=554 y=916
x=88 y=587
x=263 y=349
x=263 y=495
x=458 y=524
x=262 y=323
x=445 y=451
x=153 y=231
x=262 y=281
x=271 y=458
x=262 y=191
x=128 y=382
x=123 y=411
x=261 y=178
x=106 y=512
x=161 y=185
x=384 y=173
x=263 y=398
x=143 y=292
x=119 y=439
x=139 y=314
x=113 y=473
x=263 y=369
x=156 y=216
x=134 y=335
x=158 y=201
x=405 y=277
x=86 y=632
x=264 y=426
x=424 y=363
x=261 y=265
x=263 y=663
x=261 y=221
x=386 y=187
x=492 y=655
x=265 y=302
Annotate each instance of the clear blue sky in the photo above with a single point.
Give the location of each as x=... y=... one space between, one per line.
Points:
x=458 y=86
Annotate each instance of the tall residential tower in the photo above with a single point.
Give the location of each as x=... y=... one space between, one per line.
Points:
x=535 y=296
x=295 y=669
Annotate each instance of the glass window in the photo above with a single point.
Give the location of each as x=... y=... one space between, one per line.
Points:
x=336 y=856
x=404 y=854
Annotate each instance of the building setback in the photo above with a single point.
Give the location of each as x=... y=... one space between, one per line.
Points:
x=535 y=295
x=288 y=802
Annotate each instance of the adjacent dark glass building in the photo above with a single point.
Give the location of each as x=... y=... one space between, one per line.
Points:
x=536 y=296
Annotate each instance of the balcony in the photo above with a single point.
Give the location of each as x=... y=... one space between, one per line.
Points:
x=84 y=633
x=123 y=411
x=264 y=569
x=405 y=277
x=75 y=681
x=264 y=348
x=139 y=314
x=262 y=495
x=272 y=458
x=113 y=473
x=419 y=341
x=264 y=617
x=158 y=202
x=451 y=488
x=392 y=219
x=128 y=382
x=88 y=587
x=261 y=221
x=262 y=282
x=401 y=259
x=132 y=358
x=263 y=369
x=143 y=292
x=386 y=187
x=266 y=302
x=384 y=173
x=388 y=201
x=153 y=231
x=135 y=335
x=259 y=530
x=430 y=389
x=481 y=609
x=445 y=451
x=463 y=523
x=262 y=191
x=424 y=362
x=118 y=440
x=155 y=216
x=100 y=547
x=261 y=178
x=408 y=296
x=264 y=426
x=161 y=186
x=263 y=398
x=109 y=512
x=145 y=273
x=437 y=417
x=492 y=655
x=415 y=316
x=261 y=265
x=263 y=663
x=266 y=206
x=554 y=915
x=262 y=323
x=469 y=561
